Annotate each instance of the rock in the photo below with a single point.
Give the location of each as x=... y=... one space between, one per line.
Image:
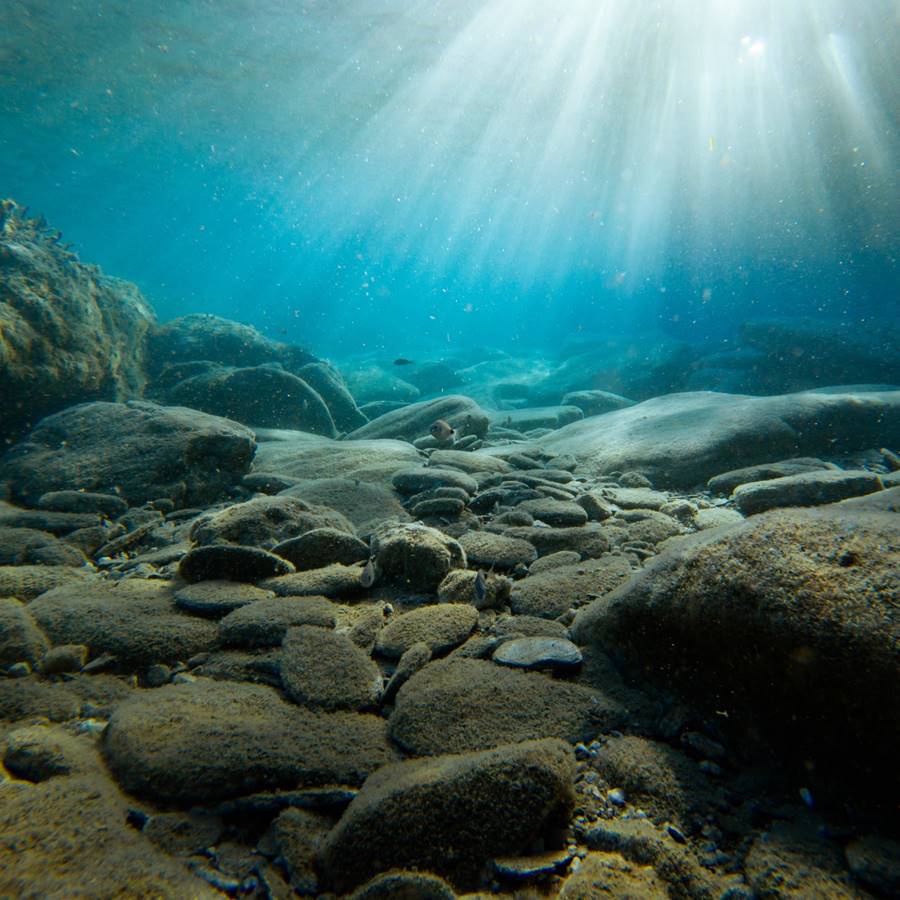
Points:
x=654 y=529
x=297 y=835
x=18 y=544
x=636 y=497
x=405 y=886
x=448 y=507
x=265 y=396
x=588 y=541
x=64 y=658
x=265 y=522
x=417 y=557
x=21 y=640
x=327 y=671
x=412 y=481
x=217 y=598
x=792 y=861
x=468 y=462
x=598 y=509
x=207 y=741
x=335 y=581
x=550 y=594
x=595 y=403
x=27 y=582
x=804 y=489
x=365 y=505
x=376 y=408
x=682 y=440
x=414 y=659
x=875 y=861
x=256 y=666
x=268 y=482
x=726 y=482
x=555 y=653
x=39 y=752
x=26 y=698
x=183 y=834
x=459 y=704
x=83 y=502
x=560 y=513
x=441 y=627
x=462 y=809
x=310 y=456
x=537 y=417
x=201 y=336
x=487 y=550
x=328 y=382
x=266 y=622
x=459 y=587
x=716 y=516
x=554 y=561
x=410 y=422
x=373 y=384
x=55 y=523
x=230 y=562
x=70 y=333
x=135 y=621
x=611 y=875
x=793 y=598
x=321 y=547
x=141 y=450
x=528 y=626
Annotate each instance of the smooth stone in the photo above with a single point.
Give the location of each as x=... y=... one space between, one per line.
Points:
x=489 y=550
x=324 y=670
x=636 y=497
x=528 y=626
x=230 y=562
x=597 y=508
x=336 y=580
x=412 y=481
x=494 y=803
x=265 y=623
x=414 y=659
x=458 y=704
x=321 y=547
x=588 y=541
x=268 y=482
x=539 y=653
x=595 y=403
x=806 y=489
x=365 y=505
x=209 y=741
x=83 y=502
x=417 y=557
x=550 y=594
x=529 y=868
x=716 y=516
x=217 y=598
x=531 y=417
x=441 y=628
x=439 y=506
x=399 y=885
x=64 y=658
x=554 y=561
x=296 y=836
x=329 y=384
x=471 y=463
x=413 y=421
x=459 y=587
x=56 y=523
x=726 y=482
x=556 y=513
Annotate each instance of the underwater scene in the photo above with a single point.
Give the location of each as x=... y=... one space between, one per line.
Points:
x=449 y=449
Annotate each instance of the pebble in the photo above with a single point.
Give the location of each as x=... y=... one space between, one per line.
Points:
x=675 y=834
x=19 y=670
x=616 y=796
x=539 y=653
x=157 y=675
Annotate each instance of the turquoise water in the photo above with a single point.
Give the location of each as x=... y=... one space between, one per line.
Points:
x=402 y=176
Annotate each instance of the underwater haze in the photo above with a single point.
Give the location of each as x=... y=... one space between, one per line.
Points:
x=395 y=176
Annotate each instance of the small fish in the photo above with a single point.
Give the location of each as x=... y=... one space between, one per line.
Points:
x=479 y=586
x=403 y=361
x=367 y=576
x=806 y=796
x=442 y=430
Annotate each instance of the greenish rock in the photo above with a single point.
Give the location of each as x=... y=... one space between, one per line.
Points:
x=726 y=482
x=804 y=489
x=21 y=640
x=321 y=547
x=412 y=481
x=335 y=581
x=417 y=557
x=231 y=562
x=440 y=627
x=217 y=598
x=555 y=653
x=496 y=551
x=410 y=422
x=266 y=622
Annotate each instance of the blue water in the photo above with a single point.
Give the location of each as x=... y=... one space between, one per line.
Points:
x=395 y=175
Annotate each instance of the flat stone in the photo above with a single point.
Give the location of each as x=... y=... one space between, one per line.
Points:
x=459 y=587
x=716 y=516
x=266 y=622
x=209 y=740
x=365 y=505
x=230 y=562
x=439 y=506
x=595 y=403
x=405 y=886
x=335 y=580
x=488 y=550
x=21 y=640
x=588 y=541
x=528 y=626
x=561 y=513
x=414 y=420
x=493 y=803
x=441 y=628
x=458 y=704
x=726 y=482
x=468 y=462
x=550 y=594
x=636 y=497
x=218 y=598
x=806 y=489
x=554 y=561
x=558 y=654
x=324 y=670
x=83 y=502
x=418 y=656
x=417 y=557
x=532 y=417
x=412 y=481
x=56 y=523
x=321 y=547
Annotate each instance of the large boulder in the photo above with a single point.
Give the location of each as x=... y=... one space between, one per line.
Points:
x=68 y=333
x=788 y=621
x=265 y=396
x=201 y=336
x=413 y=421
x=451 y=814
x=328 y=382
x=682 y=440
x=206 y=741
x=138 y=450
x=372 y=383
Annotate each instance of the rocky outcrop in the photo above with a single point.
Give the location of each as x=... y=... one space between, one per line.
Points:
x=68 y=333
